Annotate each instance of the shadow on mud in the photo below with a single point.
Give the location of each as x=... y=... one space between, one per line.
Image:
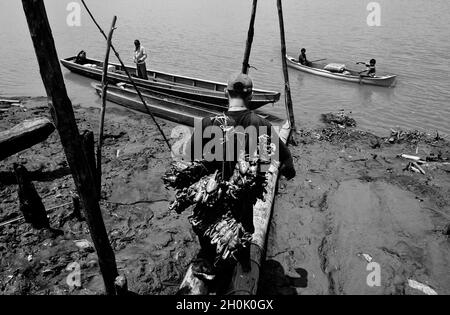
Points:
x=275 y=281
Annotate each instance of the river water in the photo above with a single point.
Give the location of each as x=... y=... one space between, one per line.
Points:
x=206 y=39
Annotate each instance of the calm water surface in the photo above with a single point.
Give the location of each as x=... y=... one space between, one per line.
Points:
x=206 y=38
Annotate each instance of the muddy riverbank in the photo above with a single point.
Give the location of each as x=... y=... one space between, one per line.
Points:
x=351 y=197
x=153 y=247
x=354 y=201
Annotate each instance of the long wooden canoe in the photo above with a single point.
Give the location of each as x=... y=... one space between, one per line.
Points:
x=163 y=106
x=246 y=283
x=351 y=76
x=176 y=85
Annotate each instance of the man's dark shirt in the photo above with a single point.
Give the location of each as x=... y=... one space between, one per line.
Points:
x=244 y=119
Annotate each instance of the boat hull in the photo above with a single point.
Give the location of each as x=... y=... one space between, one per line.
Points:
x=168 y=108
x=184 y=87
x=384 y=81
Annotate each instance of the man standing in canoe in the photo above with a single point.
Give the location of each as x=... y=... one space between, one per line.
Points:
x=140 y=55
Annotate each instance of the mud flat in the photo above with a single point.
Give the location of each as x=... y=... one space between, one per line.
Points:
x=153 y=247
x=351 y=197
x=353 y=203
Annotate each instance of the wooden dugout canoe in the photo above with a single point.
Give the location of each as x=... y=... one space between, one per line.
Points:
x=194 y=89
x=160 y=105
x=352 y=76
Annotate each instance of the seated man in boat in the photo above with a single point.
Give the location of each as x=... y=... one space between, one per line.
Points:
x=302 y=58
x=81 y=58
x=239 y=92
x=140 y=55
x=370 y=71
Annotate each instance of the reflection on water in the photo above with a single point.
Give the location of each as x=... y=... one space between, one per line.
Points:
x=206 y=39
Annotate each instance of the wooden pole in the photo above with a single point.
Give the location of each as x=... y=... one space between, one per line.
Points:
x=129 y=77
x=31 y=205
x=102 y=113
x=64 y=119
x=251 y=33
x=88 y=144
x=287 y=86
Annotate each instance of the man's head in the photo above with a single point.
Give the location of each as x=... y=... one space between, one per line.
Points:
x=373 y=62
x=137 y=43
x=240 y=87
x=303 y=50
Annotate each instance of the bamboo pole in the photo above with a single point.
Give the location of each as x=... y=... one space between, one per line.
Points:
x=251 y=33
x=103 y=110
x=64 y=118
x=129 y=76
x=287 y=86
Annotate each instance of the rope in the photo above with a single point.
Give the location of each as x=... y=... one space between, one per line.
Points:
x=129 y=77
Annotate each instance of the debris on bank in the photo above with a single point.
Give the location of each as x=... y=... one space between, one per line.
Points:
x=340 y=119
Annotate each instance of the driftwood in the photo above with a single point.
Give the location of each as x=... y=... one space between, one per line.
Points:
x=245 y=282
x=24 y=136
x=31 y=204
x=64 y=118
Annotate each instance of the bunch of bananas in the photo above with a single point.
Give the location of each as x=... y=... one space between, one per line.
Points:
x=183 y=174
x=214 y=200
x=229 y=236
x=207 y=191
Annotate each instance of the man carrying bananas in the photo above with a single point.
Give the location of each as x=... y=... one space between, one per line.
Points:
x=226 y=157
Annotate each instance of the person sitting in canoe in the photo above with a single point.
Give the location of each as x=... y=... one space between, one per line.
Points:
x=81 y=58
x=370 y=71
x=302 y=58
x=140 y=55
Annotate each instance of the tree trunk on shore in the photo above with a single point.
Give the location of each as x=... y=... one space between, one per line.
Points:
x=64 y=119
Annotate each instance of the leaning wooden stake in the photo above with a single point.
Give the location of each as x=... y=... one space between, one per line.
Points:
x=129 y=77
x=64 y=119
x=251 y=33
x=31 y=205
x=287 y=86
x=102 y=114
